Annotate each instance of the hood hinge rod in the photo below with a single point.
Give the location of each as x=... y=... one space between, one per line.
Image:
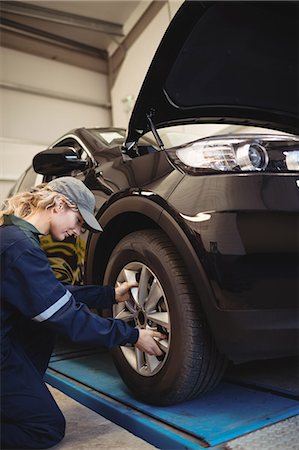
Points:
x=154 y=131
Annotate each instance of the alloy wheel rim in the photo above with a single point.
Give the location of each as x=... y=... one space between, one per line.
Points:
x=147 y=309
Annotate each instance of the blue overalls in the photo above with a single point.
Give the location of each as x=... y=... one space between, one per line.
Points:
x=35 y=307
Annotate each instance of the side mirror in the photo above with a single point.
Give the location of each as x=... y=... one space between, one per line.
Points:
x=58 y=161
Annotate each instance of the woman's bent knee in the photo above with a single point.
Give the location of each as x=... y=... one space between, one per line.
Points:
x=39 y=435
x=53 y=432
x=57 y=431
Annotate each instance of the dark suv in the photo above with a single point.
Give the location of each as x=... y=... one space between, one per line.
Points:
x=199 y=201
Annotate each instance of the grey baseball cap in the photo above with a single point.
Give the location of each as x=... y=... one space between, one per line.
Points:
x=76 y=191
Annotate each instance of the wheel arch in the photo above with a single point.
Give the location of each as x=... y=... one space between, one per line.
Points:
x=137 y=212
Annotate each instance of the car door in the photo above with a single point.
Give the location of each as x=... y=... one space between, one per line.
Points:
x=67 y=257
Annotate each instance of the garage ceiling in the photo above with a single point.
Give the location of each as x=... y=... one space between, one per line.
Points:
x=84 y=33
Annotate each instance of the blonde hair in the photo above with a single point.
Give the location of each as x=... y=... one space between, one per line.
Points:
x=40 y=197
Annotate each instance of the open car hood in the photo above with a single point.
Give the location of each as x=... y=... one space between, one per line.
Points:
x=224 y=62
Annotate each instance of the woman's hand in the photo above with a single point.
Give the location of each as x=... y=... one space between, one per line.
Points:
x=122 y=292
x=146 y=342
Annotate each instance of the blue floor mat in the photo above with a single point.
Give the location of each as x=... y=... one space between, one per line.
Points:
x=229 y=411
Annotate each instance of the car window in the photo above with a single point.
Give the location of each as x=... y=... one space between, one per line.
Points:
x=28 y=180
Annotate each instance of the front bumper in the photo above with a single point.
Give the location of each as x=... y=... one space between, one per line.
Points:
x=245 y=231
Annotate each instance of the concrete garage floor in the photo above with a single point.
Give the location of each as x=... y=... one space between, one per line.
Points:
x=86 y=429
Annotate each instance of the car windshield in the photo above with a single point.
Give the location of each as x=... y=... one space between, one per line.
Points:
x=116 y=137
x=110 y=138
x=174 y=136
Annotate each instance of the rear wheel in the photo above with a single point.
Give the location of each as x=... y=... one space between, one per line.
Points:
x=164 y=301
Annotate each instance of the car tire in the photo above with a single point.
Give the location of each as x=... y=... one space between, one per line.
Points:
x=165 y=300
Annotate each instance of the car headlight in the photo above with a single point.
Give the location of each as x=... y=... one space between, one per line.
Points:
x=239 y=153
x=292 y=160
x=252 y=157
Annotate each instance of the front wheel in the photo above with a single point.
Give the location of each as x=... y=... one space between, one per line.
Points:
x=164 y=301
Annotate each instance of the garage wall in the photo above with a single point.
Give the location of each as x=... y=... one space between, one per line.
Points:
x=137 y=59
x=40 y=100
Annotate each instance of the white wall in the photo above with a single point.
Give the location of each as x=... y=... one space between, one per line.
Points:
x=40 y=100
x=135 y=65
x=31 y=121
